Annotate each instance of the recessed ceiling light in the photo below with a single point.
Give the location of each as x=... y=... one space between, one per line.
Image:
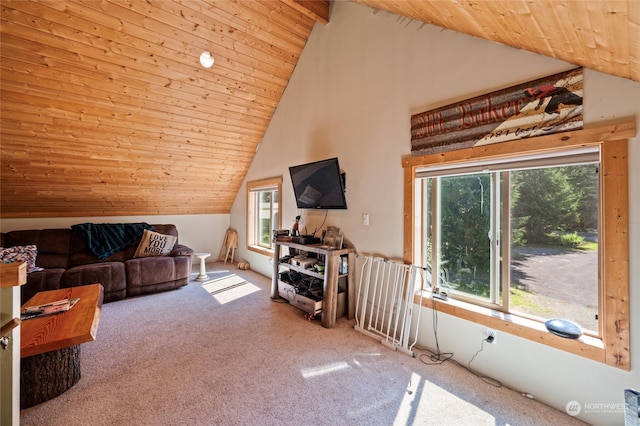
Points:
x=206 y=60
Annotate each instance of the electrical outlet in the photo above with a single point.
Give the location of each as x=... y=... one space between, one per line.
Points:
x=365 y=219
x=491 y=336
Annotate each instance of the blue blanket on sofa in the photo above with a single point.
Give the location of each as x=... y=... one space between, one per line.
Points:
x=104 y=239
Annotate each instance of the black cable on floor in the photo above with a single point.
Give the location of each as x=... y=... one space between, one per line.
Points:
x=436 y=358
x=486 y=379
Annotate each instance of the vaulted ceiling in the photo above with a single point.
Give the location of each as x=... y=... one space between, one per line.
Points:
x=106 y=109
x=600 y=35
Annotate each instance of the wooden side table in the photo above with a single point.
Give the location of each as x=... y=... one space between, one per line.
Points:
x=50 y=346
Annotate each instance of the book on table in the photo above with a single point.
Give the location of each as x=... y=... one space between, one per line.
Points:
x=52 y=308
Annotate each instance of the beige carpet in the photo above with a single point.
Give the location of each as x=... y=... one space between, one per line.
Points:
x=222 y=352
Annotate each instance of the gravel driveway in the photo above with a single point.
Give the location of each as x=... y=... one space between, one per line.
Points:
x=564 y=283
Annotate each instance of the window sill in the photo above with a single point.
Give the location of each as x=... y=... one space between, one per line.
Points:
x=260 y=250
x=586 y=346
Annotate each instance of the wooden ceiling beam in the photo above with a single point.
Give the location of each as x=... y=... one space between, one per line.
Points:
x=318 y=10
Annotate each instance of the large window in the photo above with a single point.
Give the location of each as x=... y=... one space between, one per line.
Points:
x=263 y=214
x=523 y=231
x=519 y=236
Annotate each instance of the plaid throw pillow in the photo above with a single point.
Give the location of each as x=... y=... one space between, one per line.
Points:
x=21 y=254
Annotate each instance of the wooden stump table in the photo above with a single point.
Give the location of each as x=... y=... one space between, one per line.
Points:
x=50 y=346
x=47 y=375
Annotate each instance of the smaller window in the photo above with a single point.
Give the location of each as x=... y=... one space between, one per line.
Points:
x=263 y=214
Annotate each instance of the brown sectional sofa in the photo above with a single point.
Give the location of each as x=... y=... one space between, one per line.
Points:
x=68 y=262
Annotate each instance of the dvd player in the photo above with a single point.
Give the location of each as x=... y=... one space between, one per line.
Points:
x=305 y=239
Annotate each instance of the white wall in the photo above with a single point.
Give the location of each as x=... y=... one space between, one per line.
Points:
x=359 y=80
x=203 y=232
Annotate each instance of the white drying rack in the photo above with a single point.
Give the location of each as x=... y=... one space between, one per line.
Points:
x=384 y=302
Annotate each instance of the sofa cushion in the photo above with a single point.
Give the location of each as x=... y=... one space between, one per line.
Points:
x=155 y=244
x=111 y=275
x=150 y=274
x=26 y=253
x=181 y=250
x=48 y=279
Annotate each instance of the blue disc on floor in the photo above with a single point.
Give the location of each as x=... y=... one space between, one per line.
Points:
x=563 y=328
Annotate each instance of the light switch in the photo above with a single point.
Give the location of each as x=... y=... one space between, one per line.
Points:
x=365 y=219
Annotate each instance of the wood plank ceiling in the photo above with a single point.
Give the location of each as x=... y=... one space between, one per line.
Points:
x=106 y=110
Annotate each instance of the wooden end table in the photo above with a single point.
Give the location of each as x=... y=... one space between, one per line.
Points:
x=50 y=346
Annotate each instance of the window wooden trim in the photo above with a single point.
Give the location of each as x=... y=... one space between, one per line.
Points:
x=257 y=185
x=613 y=346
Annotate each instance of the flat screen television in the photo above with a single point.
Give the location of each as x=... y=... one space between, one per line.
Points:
x=318 y=185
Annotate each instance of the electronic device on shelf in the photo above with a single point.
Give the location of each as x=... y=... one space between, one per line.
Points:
x=281 y=235
x=304 y=262
x=290 y=277
x=305 y=239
